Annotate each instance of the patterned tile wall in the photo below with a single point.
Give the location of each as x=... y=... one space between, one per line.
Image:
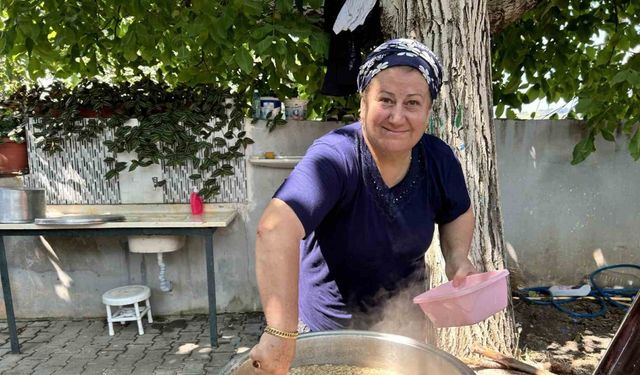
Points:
x=76 y=175
x=72 y=176
x=179 y=186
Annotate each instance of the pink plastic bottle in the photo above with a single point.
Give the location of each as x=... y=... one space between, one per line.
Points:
x=197 y=204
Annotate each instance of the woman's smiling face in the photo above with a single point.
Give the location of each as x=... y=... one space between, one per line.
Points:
x=394 y=111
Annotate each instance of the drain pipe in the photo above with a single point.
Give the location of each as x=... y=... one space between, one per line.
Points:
x=165 y=285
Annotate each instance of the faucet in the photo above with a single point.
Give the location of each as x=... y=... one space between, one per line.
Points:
x=158 y=183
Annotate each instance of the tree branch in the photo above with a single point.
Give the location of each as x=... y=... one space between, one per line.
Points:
x=504 y=12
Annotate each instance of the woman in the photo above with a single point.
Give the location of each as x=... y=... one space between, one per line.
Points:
x=348 y=229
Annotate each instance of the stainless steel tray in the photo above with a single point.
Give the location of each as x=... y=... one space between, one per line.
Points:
x=79 y=219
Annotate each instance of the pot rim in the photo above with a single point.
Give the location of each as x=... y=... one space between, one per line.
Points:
x=239 y=360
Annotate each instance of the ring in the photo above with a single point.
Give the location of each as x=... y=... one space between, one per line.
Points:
x=256 y=364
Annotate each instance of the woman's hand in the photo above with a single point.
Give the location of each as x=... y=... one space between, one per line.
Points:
x=273 y=355
x=457 y=268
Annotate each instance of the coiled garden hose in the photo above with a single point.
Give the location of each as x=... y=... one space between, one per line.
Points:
x=603 y=296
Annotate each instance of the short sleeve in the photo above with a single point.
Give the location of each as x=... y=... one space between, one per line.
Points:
x=454 y=197
x=315 y=185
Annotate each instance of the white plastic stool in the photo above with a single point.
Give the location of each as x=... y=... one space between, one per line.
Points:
x=127 y=295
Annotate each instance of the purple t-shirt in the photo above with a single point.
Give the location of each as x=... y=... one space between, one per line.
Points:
x=363 y=239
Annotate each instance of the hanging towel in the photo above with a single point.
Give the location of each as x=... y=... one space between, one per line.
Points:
x=352 y=14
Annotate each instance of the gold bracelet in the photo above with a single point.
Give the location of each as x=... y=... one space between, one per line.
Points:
x=279 y=333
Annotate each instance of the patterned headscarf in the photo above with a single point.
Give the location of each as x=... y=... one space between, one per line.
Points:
x=402 y=52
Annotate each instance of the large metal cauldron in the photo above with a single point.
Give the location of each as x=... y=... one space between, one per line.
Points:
x=364 y=349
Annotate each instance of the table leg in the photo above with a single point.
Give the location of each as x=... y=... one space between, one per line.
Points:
x=211 y=288
x=8 y=302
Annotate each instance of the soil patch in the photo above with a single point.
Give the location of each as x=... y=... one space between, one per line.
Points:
x=561 y=343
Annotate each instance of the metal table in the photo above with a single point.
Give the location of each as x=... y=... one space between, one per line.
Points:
x=205 y=230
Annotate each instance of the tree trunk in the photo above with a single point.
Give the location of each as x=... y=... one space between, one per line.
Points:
x=458 y=32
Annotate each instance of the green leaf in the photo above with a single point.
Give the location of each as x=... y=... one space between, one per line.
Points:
x=634 y=145
x=584 y=105
x=110 y=174
x=133 y=167
x=120 y=166
x=512 y=85
x=243 y=59
x=583 y=149
x=130 y=47
x=634 y=77
x=627 y=75
x=608 y=135
x=29 y=45
x=7 y=40
x=533 y=92
x=633 y=62
x=219 y=142
x=263 y=46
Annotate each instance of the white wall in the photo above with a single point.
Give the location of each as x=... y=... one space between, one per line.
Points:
x=557 y=215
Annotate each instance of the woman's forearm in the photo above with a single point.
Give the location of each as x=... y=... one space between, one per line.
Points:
x=455 y=240
x=277 y=264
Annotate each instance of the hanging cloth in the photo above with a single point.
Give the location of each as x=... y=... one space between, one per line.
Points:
x=345 y=47
x=352 y=14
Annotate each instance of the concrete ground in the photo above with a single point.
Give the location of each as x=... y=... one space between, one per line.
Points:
x=173 y=345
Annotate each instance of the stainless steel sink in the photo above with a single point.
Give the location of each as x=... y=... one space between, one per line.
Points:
x=79 y=219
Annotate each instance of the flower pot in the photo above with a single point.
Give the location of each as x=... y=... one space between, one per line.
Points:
x=13 y=157
x=295 y=108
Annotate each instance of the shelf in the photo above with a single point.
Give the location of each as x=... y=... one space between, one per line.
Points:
x=282 y=162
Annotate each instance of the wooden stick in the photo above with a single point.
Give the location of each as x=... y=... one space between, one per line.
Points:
x=509 y=362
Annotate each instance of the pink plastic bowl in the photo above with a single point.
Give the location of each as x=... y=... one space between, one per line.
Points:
x=480 y=296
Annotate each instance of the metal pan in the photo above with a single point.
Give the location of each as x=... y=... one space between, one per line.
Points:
x=79 y=219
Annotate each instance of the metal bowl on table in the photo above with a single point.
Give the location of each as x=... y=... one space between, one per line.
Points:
x=363 y=349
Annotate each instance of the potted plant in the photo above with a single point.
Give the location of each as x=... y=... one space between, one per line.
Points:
x=13 y=148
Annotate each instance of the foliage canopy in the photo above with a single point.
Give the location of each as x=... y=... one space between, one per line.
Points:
x=581 y=50
x=564 y=49
x=268 y=45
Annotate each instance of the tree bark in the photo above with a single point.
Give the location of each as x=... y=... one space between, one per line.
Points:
x=501 y=12
x=504 y=12
x=458 y=32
